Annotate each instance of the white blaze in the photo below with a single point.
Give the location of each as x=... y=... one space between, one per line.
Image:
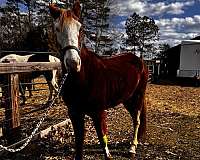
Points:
x=68 y=36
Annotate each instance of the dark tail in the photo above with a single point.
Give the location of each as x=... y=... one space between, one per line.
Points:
x=143 y=120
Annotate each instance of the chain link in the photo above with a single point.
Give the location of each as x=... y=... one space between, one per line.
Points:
x=40 y=122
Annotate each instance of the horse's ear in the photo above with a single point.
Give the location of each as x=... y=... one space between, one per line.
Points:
x=54 y=11
x=77 y=9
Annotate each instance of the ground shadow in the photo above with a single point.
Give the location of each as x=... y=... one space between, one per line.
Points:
x=177 y=81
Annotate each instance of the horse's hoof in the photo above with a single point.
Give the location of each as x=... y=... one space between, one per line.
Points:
x=48 y=103
x=23 y=103
x=132 y=156
x=108 y=156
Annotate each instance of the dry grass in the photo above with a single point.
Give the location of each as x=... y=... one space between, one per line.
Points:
x=174 y=121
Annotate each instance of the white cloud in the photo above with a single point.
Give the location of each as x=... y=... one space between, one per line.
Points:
x=177 y=7
x=197 y=18
x=188 y=24
x=177 y=29
x=127 y=7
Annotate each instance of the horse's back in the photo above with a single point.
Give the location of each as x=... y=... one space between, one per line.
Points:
x=114 y=81
x=39 y=58
x=124 y=60
x=53 y=59
x=16 y=57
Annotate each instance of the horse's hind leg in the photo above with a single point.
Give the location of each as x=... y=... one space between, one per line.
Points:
x=77 y=120
x=50 y=90
x=29 y=87
x=51 y=81
x=137 y=109
x=99 y=120
x=22 y=88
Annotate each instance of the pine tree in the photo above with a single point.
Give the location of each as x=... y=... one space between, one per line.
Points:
x=95 y=14
x=11 y=25
x=142 y=33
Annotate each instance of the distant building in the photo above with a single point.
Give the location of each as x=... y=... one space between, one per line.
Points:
x=172 y=60
x=189 y=59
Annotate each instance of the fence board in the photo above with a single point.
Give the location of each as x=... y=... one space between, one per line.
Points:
x=21 y=67
x=26 y=52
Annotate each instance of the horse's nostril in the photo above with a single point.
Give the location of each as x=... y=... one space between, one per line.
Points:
x=75 y=64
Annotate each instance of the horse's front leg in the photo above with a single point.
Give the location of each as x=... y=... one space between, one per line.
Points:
x=77 y=120
x=99 y=120
x=53 y=81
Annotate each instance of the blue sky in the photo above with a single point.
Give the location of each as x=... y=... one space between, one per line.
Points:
x=2 y=2
x=177 y=19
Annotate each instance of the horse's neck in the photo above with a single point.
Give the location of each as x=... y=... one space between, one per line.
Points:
x=90 y=63
x=90 y=60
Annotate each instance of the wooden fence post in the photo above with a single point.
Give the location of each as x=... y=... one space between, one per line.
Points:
x=11 y=104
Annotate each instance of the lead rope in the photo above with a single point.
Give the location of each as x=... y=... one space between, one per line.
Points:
x=40 y=122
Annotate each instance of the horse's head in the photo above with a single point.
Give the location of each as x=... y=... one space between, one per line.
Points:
x=67 y=28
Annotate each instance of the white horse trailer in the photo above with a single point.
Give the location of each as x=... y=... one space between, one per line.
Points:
x=189 y=59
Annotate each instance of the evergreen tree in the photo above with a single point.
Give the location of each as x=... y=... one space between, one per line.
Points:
x=142 y=33
x=11 y=25
x=162 y=50
x=15 y=24
x=95 y=14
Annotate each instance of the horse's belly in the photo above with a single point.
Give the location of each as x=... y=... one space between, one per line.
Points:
x=104 y=91
x=114 y=90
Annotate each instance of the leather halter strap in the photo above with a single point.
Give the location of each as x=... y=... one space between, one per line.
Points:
x=71 y=47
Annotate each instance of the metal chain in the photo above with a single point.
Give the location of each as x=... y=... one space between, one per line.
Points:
x=40 y=122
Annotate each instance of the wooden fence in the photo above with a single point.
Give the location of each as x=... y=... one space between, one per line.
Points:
x=9 y=73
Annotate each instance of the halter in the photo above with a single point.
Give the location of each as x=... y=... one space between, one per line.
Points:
x=71 y=47
x=63 y=50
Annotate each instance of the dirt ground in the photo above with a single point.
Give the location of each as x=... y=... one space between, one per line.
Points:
x=173 y=130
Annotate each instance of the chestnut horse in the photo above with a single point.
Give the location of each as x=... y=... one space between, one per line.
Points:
x=95 y=84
